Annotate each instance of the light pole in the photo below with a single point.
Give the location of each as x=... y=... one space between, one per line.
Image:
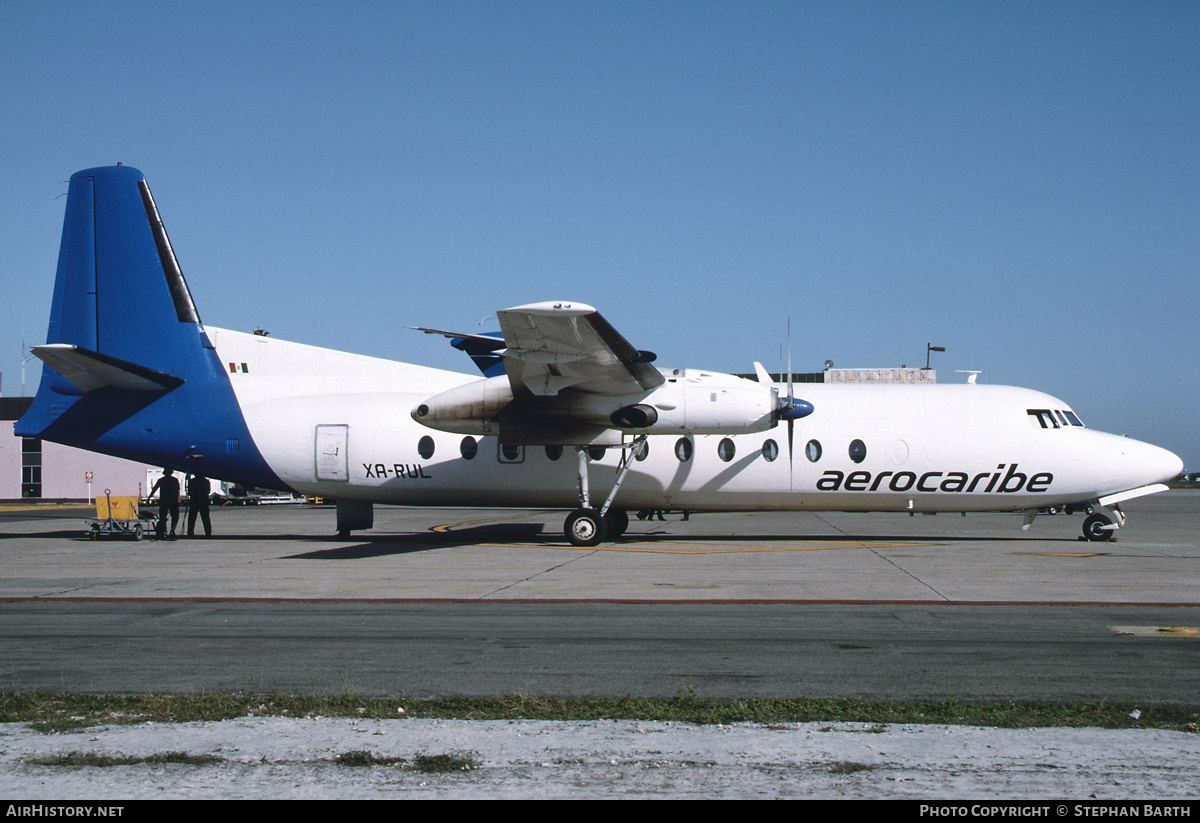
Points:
x=929 y=347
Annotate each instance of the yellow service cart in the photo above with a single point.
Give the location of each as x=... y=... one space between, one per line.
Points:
x=118 y=516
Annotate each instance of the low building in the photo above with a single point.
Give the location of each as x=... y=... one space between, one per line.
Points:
x=31 y=468
x=831 y=375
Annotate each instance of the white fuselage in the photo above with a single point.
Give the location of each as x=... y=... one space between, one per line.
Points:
x=338 y=425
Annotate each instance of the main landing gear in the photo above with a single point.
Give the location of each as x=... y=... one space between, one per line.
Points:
x=586 y=526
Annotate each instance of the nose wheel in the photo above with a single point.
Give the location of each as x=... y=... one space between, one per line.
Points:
x=1102 y=524
x=1098 y=527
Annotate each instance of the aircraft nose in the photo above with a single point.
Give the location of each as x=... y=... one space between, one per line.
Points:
x=1154 y=464
x=1171 y=465
x=1125 y=463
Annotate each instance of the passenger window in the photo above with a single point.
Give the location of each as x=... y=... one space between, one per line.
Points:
x=425 y=447
x=858 y=451
x=726 y=450
x=683 y=449
x=468 y=448
x=511 y=454
x=554 y=452
x=596 y=452
x=642 y=451
x=813 y=451
x=770 y=450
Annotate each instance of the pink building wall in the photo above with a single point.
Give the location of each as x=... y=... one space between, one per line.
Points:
x=64 y=470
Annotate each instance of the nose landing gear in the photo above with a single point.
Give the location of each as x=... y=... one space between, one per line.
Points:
x=1102 y=524
x=1099 y=526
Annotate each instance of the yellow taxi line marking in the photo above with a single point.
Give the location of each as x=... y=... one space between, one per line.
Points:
x=446 y=528
x=740 y=549
x=1158 y=631
x=1062 y=554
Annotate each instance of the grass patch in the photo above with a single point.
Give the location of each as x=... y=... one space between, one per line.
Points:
x=426 y=763
x=363 y=759
x=59 y=712
x=443 y=763
x=80 y=759
x=849 y=767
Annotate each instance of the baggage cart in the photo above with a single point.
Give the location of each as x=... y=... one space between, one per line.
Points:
x=118 y=517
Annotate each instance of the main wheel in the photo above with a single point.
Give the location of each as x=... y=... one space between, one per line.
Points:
x=1094 y=528
x=618 y=522
x=585 y=527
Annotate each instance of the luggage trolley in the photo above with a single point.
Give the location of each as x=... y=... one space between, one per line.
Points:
x=118 y=516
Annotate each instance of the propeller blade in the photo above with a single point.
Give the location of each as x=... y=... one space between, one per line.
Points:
x=791 y=405
x=791 y=437
x=790 y=394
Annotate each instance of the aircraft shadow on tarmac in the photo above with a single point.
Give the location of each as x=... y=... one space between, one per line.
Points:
x=72 y=534
x=388 y=544
x=377 y=545
x=532 y=533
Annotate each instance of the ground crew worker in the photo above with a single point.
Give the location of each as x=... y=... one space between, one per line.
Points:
x=167 y=487
x=198 y=490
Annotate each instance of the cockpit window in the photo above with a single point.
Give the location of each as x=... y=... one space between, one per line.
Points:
x=1044 y=418
x=1053 y=418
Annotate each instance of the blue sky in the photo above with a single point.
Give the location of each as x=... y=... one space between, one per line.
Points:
x=1018 y=182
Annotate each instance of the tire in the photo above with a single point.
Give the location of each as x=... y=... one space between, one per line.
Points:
x=1093 y=528
x=585 y=527
x=618 y=522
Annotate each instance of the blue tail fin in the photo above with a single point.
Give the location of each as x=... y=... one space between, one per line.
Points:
x=483 y=352
x=130 y=370
x=486 y=350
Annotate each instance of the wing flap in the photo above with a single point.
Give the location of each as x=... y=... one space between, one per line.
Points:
x=550 y=347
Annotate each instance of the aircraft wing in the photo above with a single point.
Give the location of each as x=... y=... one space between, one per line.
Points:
x=554 y=346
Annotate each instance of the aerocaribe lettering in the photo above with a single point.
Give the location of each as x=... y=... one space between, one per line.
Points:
x=381 y=471
x=1008 y=482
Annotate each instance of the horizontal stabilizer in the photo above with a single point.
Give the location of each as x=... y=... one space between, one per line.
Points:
x=485 y=350
x=492 y=341
x=89 y=370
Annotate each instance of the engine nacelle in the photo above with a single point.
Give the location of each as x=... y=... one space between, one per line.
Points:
x=689 y=402
x=637 y=416
x=701 y=402
x=472 y=408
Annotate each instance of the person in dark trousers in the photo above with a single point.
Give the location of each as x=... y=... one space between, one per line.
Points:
x=168 y=501
x=198 y=490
